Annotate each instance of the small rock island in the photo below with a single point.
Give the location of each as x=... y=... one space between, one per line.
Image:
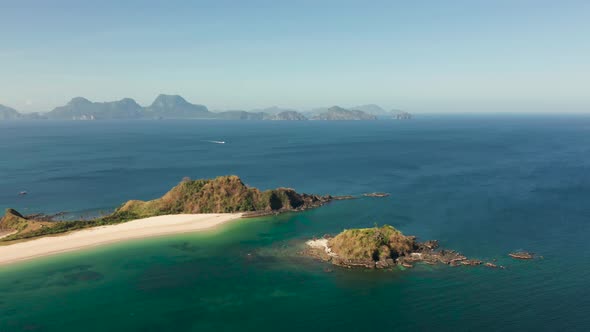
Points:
x=522 y=255
x=376 y=194
x=381 y=248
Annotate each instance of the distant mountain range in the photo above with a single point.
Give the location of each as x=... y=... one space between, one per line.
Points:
x=176 y=107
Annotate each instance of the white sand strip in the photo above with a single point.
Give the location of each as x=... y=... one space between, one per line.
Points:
x=321 y=244
x=135 y=229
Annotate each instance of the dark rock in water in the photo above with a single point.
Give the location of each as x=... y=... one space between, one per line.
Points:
x=430 y=244
x=494 y=266
x=376 y=194
x=471 y=262
x=521 y=255
x=341 y=198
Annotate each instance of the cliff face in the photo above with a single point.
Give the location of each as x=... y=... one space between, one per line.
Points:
x=221 y=195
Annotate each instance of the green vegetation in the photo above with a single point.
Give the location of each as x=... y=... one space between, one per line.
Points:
x=371 y=244
x=225 y=194
x=15 y=222
x=29 y=228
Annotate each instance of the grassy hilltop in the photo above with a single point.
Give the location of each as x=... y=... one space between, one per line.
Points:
x=376 y=243
x=224 y=194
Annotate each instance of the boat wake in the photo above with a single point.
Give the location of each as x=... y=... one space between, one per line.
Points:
x=215 y=142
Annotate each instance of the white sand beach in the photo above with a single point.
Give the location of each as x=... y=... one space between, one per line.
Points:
x=135 y=229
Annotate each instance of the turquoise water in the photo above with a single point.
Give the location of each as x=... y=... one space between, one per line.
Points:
x=484 y=185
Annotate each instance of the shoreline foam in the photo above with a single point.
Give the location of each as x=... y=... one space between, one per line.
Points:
x=96 y=236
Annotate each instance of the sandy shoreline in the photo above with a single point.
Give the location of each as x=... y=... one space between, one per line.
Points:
x=135 y=229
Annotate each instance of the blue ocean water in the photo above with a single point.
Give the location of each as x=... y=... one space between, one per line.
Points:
x=485 y=185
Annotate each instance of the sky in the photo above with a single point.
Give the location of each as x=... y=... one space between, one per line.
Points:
x=420 y=56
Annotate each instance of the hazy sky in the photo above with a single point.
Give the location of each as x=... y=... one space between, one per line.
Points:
x=422 y=56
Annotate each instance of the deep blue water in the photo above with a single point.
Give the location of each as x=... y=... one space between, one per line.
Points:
x=484 y=185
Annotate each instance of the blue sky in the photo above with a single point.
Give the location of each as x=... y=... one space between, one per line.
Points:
x=422 y=56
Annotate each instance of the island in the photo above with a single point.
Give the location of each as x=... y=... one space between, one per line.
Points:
x=383 y=248
x=176 y=107
x=195 y=205
x=192 y=205
x=522 y=255
x=336 y=113
x=224 y=194
x=382 y=113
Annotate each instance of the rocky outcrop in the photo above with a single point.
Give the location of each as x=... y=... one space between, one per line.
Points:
x=377 y=247
x=383 y=247
x=376 y=194
x=522 y=255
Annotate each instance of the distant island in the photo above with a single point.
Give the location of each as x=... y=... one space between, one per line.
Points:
x=338 y=113
x=176 y=107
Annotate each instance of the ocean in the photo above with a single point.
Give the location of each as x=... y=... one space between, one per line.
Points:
x=484 y=185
